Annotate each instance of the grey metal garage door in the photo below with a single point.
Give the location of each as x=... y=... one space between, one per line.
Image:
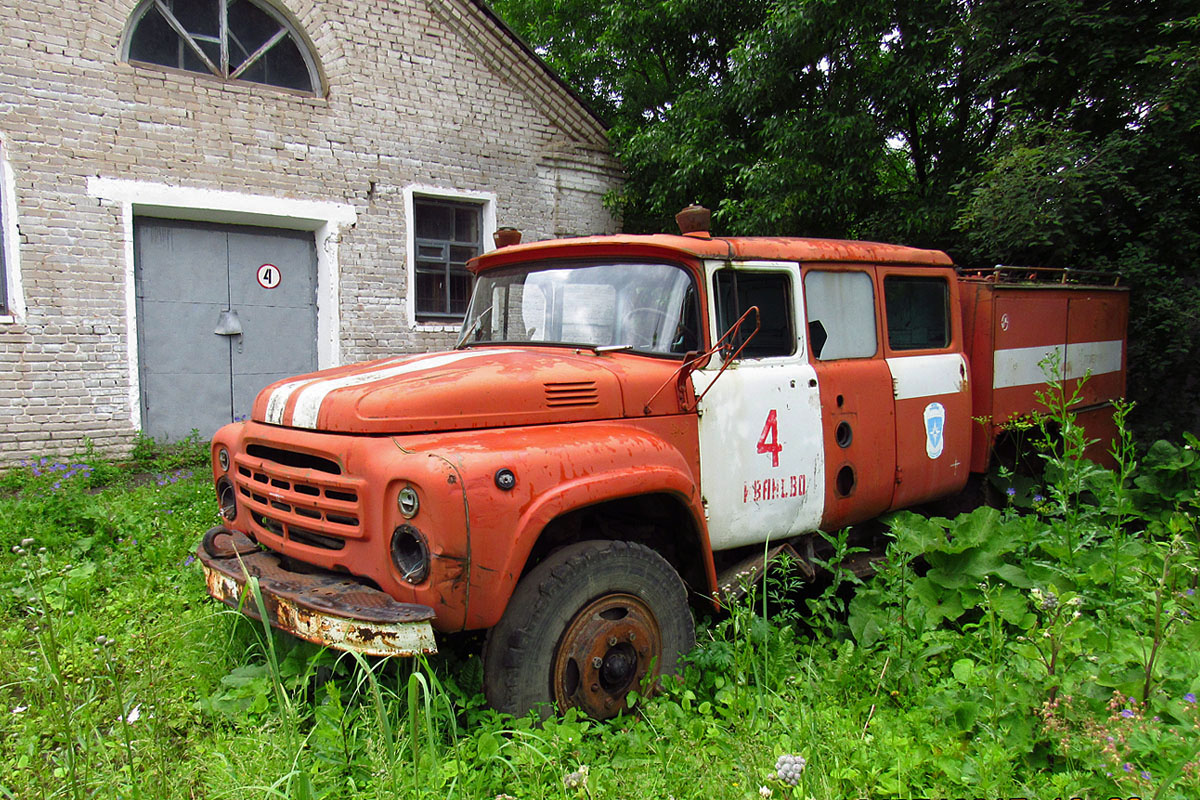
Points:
x=223 y=310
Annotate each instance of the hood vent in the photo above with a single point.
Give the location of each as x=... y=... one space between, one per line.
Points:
x=572 y=395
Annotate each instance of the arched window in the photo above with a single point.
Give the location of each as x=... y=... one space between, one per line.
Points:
x=247 y=40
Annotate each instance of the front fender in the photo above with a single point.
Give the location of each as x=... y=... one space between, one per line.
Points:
x=561 y=468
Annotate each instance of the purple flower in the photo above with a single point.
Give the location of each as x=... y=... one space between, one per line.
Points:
x=1190 y=697
x=1190 y=592
x=1037 y=498
x=1145 y=775
x=1127 y=767
x=187 y=562
x=1010 y=491
x=57 y=485
x=1126 y=713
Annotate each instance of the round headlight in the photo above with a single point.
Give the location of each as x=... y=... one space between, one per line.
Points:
x=223 y=459
x=410 y=554
x=408 y=502
x=227 y=499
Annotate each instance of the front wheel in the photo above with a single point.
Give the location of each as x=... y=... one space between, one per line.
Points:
x=590 y=623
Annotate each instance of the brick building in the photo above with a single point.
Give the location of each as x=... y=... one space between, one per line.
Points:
x=200 y=196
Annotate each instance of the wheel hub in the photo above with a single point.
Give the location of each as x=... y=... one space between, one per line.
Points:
x=609 y=648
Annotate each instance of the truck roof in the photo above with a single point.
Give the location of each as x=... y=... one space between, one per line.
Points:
x=704 y=246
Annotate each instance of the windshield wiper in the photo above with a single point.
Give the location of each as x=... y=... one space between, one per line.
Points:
x=611 y=348
x=470 y=330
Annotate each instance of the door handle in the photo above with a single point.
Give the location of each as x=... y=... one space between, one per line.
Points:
x=228 y=324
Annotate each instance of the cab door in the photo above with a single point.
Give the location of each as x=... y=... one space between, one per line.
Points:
x=761 y=460
x=923 y=345
x=858 y=419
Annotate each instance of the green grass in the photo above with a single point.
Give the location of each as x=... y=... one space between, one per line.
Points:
x=121 y=679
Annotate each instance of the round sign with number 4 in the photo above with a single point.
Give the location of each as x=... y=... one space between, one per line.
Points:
x=268 y=276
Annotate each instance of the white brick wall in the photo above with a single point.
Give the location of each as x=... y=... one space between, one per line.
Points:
x=424 y=92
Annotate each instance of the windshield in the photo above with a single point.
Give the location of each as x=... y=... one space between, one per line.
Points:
x=645 y=307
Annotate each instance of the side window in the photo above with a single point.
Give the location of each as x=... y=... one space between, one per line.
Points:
x=448 y=234
x=841 y=314
x=738 y=290
x=918 y=312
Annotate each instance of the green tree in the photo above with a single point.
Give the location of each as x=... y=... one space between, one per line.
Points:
x=1047 y=133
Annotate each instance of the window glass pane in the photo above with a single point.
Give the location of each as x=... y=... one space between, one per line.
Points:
x=283 y=65
x=249 y=29
x=645 y=307
x=466 y=225
x=841 y=314
x=192 y=62
x=431 y=292
x=197 y=16
x=442 y=229
x=519 y=312
x=460 y=255
x=155 y=42
x=588 y=310
x=433 y=221
x=460 y=291
x=918 y=312
x=738 y=290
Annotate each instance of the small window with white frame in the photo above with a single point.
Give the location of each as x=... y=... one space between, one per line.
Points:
x=11 y=306
x=4 y=308
x=447 y=233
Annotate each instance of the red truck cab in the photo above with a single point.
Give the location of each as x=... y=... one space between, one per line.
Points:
x=621 y=414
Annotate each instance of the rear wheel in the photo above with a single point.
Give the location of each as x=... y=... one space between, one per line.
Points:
x=587 y=625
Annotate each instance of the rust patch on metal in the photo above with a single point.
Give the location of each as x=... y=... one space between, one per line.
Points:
x=321 y=607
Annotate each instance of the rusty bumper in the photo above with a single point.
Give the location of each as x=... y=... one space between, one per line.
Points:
x=317 y=605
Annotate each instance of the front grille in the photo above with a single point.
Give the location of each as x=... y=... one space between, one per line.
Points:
x=290 y=497
x=571 y=394
x=294 y=458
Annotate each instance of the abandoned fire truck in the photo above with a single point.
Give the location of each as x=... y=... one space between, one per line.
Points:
x=623 y=417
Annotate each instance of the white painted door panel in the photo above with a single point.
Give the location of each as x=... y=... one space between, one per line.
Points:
x=761 y=458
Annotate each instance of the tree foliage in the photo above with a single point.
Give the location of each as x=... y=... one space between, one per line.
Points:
x=1050 y=133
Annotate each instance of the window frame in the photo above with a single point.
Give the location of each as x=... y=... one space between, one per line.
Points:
x=869 y=271
x=692 y=299
x=12 y=299
x=788 y=273
x=225 y=72
x=486 y=203
x=948 y=278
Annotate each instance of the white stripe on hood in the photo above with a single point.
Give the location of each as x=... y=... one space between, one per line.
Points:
x=308 y=402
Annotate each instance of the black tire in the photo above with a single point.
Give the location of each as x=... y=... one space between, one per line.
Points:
x=591 y=622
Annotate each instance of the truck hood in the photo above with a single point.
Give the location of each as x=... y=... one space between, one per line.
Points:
x=457 y=390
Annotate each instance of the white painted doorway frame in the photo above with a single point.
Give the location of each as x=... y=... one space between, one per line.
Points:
x=326 y=220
